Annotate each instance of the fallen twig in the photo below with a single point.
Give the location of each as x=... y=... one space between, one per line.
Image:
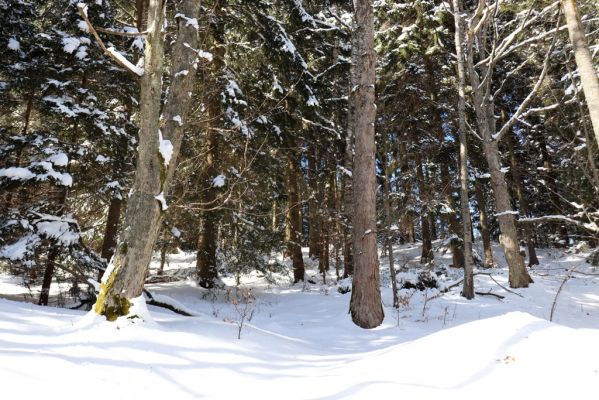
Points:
x=153 y=302
x=568 y=276
x=498 y=284
x=489 y=293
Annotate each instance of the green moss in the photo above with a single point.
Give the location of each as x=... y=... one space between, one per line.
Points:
x=115 y=306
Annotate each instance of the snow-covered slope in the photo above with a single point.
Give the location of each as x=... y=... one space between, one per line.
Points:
x=301 y=344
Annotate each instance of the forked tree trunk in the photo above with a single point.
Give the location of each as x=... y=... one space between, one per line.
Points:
x=153 y=174
x=365 y=306
x=584 y=62
x=468 y=288
x=484 y=225
x=483 y=106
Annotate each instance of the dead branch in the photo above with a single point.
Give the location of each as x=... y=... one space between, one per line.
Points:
x=153 y=302
x=498 y=284
x=489 y=293
x=568 y=276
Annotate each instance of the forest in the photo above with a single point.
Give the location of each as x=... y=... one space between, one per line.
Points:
x=281 y=191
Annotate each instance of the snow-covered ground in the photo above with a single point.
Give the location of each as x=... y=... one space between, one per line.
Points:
x=300 y=342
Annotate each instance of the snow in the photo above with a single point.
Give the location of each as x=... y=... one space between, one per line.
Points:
x=19 y=249
x=134 y=68
x=165 y=148
x=510 y=212
x=178 y=120
x=82 y=25
x=218 y=181
x=162 y=201
x=312 y=101
x=301 y=344
x=13 y=44
x=59 y=159
x=16 y=173
x=59 y=231
x=70 y=44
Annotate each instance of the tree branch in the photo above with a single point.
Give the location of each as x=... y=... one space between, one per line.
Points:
x=110 y=52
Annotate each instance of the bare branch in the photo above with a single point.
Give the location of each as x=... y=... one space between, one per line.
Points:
x=118 y=33
x=507 y=126
x=110 y=52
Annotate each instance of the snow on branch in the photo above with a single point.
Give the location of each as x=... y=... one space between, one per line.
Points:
x=110 y=51
x=560 y=218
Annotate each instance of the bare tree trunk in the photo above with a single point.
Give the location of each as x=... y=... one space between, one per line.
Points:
x=518 y=276
x=111 y=231
x=406 y=217
x=153 y=173
x=388 y=220
x=528 y=235
x=427 y=255
x=48 y=275
x=313 y=206
x=484 y=225
x=468 y=288
x=294 y=218
x=483 y=106
x=584 y=62
x=365 y=306
x=206 y=263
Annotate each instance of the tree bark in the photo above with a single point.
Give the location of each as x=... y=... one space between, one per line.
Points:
x=388 y=220
x=483 y=106
x=294 y=218
x=584 y=62
x=313 y=206
x=516 y=176
x=365 y=306
x=484 y=225
x=427 y=246
x=468 y=288
x=111 y=231
x=406 y=222
x=153 y=173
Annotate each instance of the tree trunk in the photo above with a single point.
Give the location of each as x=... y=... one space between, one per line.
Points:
x=406 y=222
x=484 y=225
x=206 y=263
x=455 y=242
x=313 y=205
x=427 y=255
x=111 y=231
x=294 y=218
x=388 y=220
x=483 y=106
x=468 y=288
x=153 y=172
x=518 y=276
x=48 y=275
x=584 y=62
x=516 y=176
x=365 y=306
